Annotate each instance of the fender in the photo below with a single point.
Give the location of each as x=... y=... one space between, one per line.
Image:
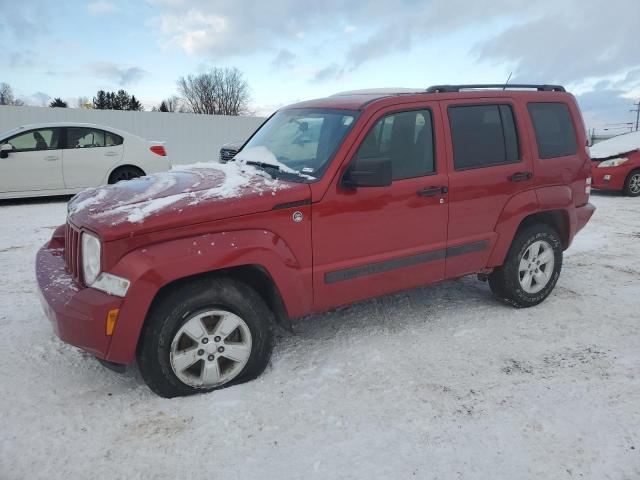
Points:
x=152 y=267
x=560 y=197
x=515 y=210
x=520 y=206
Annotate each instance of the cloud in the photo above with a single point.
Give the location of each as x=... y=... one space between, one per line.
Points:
x=120 y=75
x=39 y=99
x=284 y=59
x=606 y=105
x=23 y=21
x=101 y=6
x=330 y=72
x=570 y=43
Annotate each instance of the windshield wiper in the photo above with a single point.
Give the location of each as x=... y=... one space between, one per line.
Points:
x=263 y=165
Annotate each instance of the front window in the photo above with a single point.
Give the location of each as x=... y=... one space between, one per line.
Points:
x=299 y=142
x=43 y=139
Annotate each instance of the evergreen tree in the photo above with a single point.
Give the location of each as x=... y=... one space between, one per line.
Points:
x=101 y=101
x=163 y=107
x=57 y=102
x=134 y=104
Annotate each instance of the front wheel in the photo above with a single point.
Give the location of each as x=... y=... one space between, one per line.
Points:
x=531 y=269
x=205 y=335
x=632 y=184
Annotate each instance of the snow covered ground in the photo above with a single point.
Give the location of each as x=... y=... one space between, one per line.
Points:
x=439 y=382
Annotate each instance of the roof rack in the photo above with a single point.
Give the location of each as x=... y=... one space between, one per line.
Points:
x=501 y=86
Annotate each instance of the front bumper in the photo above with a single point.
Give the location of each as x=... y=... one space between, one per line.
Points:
x=78 y=314
x=608 y=178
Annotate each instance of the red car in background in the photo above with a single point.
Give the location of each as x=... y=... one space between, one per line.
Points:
x=616 y=164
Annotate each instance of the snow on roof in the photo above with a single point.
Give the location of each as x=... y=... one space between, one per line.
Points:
x=619 y=145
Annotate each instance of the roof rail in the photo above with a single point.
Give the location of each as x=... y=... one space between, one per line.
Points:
x=501 y=86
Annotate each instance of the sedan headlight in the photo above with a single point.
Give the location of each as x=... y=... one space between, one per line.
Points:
x=614 y=162
x=91 y=268
x=90 y=258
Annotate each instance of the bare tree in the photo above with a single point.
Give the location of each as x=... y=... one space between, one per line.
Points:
x=83 y=102
x=6 y=94
x=222 y=91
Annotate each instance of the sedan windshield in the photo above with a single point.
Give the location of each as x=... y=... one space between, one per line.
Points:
x=298 y=142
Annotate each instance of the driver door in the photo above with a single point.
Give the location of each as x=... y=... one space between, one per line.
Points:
x=369 y=241
x=34 y=163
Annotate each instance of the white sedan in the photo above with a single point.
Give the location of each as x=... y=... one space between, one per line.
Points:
x=65 y=158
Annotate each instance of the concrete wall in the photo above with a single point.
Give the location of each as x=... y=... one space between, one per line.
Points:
x=189 y=138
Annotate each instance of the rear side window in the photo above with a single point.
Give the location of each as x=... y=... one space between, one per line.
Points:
x=483 y=136
x=554 y=129
x=81 y=137
x=406 y=138
x=111 y=139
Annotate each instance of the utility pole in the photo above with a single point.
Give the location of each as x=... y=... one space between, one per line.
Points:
x=637 y=110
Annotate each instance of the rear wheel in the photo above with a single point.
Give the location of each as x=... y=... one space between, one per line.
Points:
x=205 y=335
x=632 y=184
x=531 y=269
x=124 y=173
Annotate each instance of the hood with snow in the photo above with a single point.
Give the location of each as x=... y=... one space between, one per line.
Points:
x=616 y=146
x=183 y=196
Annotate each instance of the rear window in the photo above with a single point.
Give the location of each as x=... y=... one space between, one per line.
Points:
x=483 y=136
x=555 y=134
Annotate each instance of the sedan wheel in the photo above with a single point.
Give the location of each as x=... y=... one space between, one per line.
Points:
x=632 y=187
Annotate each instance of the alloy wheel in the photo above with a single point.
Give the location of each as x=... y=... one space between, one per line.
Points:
x=536 y=267
x=210 y=349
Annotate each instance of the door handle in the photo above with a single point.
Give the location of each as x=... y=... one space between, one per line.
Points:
x=432 y=191
x=51 y=158
x=520 y=176
x=110 y=154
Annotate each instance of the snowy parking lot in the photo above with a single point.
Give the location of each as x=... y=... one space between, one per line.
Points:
x=438 y=382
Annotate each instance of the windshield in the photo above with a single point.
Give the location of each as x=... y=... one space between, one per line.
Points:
x=298 y=142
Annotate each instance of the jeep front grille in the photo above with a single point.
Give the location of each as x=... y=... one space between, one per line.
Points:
x=72 y=254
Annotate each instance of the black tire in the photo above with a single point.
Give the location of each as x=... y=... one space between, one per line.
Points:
x=168 y=315
x=505 y=280
x=631 y=183
x=124 y=173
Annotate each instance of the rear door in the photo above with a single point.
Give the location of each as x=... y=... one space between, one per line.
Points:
x=90 y=154
x=375 y=240
x=487 y=166
x=34 y=164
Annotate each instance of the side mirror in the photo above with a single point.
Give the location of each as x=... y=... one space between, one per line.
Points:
x=5 y=149
x=368 y=172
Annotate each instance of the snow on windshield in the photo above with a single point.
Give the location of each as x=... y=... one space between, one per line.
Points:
x=619 y=145
x=158 y=194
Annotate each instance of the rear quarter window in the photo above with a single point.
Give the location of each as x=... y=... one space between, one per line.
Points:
x=112 y=140
x=555 y=133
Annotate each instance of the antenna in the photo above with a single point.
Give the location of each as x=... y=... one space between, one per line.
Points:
x=507 y=82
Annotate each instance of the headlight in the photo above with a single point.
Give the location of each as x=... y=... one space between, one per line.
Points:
x=90 y=258
x=93 y=277
x=614 y=162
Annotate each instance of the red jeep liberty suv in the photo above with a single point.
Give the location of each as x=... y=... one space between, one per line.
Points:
x=331 y=201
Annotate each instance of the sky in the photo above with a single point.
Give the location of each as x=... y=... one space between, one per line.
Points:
x=291 y=50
